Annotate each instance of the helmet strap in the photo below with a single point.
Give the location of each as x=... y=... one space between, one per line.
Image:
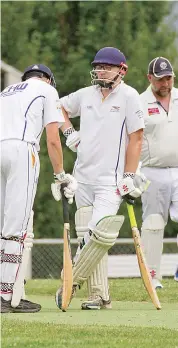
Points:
x=108 y=85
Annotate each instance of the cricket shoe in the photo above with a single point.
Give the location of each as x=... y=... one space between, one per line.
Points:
x=58 y=297
x=176 y=276
x=156 y=283
x=23 y=307
x=96 y=303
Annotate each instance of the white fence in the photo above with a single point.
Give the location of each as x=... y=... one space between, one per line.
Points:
x=46 y=261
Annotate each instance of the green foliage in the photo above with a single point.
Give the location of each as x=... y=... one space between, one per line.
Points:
x=66 y=35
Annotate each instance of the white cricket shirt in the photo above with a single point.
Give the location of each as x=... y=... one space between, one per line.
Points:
x=26 y=108
x=104 y=128
x=160 y=143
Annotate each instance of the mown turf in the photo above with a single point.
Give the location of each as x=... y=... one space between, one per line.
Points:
x=38 y=335
x=133 y=321
x=120 y=289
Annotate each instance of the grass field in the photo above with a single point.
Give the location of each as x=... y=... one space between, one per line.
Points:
x=132 y=323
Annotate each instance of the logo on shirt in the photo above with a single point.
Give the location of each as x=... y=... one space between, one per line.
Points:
x=89 y=107
x=153 y=111
x=139 y=113
x=10 y=90
x=115 y=109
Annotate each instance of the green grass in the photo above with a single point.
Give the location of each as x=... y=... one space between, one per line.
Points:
x=132 y=323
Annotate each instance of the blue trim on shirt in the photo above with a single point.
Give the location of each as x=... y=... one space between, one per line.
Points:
x=40 y=96
x=121 y=134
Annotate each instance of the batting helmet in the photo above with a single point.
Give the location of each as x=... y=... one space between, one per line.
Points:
x=110 y=56
x=40 y=68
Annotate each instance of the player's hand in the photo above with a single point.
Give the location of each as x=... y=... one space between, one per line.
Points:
x=129 y=190
x=73 y=141
x=133 y=187
x=69 y=190
x=140 y=179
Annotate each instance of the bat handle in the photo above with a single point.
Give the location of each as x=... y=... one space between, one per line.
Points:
x=131 y=214
x=65 y=204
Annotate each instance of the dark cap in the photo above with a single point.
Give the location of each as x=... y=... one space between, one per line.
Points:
x=160 y=67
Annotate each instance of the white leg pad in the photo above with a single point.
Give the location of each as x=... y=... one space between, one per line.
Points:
x=82 y=218
x=98 y=281
x=18 y=288
x=102 y=238
x=152 y=240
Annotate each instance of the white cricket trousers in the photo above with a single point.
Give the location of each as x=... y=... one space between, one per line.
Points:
x=104 y=199
x=19 y=177
x=161 y=197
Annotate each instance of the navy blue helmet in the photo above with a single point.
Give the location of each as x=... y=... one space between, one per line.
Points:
x=110 y=56
x=40 y=68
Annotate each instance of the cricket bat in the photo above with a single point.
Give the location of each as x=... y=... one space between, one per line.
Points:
x=67 y=256
x=145 y=273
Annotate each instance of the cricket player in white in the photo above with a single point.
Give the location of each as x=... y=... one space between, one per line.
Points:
x=159 y=160
x=111 y=128
x=26 y=108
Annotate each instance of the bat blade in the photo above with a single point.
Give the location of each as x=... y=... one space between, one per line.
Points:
x=67 y=269
x=145 y=274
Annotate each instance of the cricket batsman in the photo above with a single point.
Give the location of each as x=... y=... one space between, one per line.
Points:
x=108 y=152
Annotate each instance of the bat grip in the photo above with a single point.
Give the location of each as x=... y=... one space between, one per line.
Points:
x=131 y=214
x=65 y=204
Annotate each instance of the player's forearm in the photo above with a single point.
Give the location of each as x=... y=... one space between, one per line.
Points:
x=67 y=123
x=55 y=155
x=133 y=152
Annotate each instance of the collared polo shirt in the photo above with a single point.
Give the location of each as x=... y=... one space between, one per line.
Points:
x=104 y=128
x=160 y=143
x=26 y=108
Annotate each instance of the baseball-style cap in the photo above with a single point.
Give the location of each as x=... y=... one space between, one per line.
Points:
x=160 y=67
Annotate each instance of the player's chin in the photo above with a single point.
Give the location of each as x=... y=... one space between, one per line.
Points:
x=164 y=92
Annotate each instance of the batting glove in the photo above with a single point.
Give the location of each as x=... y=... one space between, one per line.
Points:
x=73 y=141
x=132 y=186
x=69 y=190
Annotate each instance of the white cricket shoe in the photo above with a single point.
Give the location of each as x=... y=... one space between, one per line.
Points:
x=96 y=302
x=157 y=284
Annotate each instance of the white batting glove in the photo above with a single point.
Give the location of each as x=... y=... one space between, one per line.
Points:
x=133 y=185
x=140 y=179
x=73 y=141
x=126 y=187
x=69 y=190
